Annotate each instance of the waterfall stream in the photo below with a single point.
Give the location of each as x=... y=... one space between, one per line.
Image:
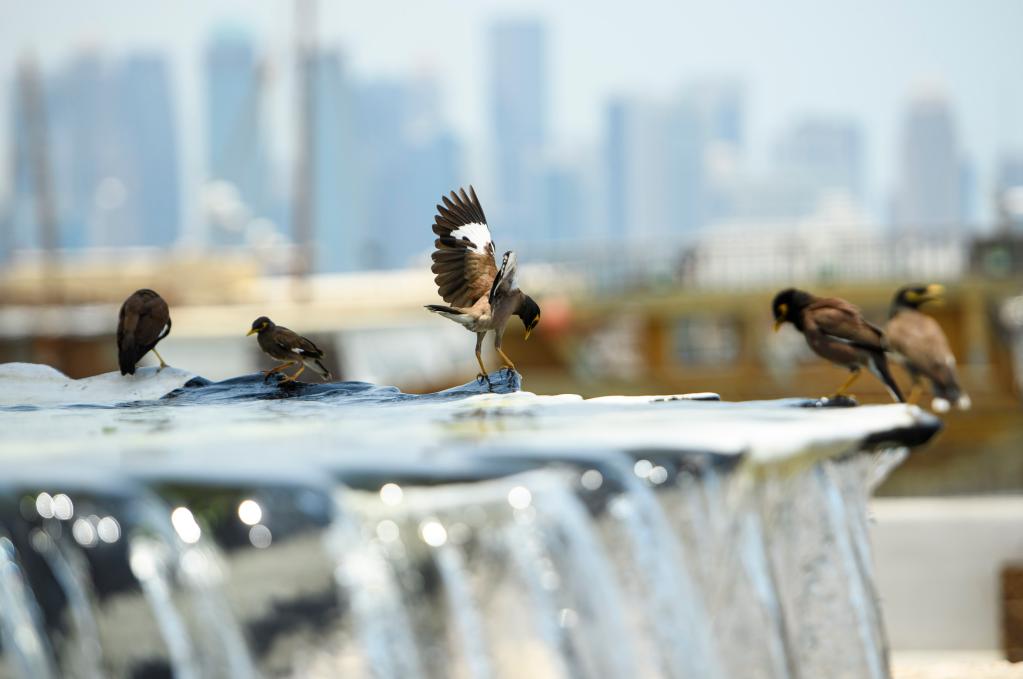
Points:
x=230 y=531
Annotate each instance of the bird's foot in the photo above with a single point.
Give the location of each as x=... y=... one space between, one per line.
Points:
x=840 y=400
x=288 y=378
x=483 y=377
x=508 y=370
x=162 y=366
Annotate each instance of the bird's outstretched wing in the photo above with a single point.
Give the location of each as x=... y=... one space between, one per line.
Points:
x=464 y=261
x=504 y=281
x=842 y=321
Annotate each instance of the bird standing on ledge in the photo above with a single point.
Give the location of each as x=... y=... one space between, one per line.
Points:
x=143 y=321
x=482 y=298
x=289 y=347
x=918 y=342
x=836 y=331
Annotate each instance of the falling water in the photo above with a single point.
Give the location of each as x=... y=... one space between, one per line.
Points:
x=243 y=530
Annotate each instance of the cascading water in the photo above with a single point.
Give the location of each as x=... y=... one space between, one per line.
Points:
x=243 y=529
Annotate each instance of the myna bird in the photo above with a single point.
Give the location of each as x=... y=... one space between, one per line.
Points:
x=918 y=343
x=289 y=347
x=481 y=296
x=836 y=331
x=143 y=321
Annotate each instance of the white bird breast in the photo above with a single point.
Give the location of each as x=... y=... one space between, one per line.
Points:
x=477 y=234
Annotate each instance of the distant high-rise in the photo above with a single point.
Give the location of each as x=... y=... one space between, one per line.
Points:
x=148 y=161
x=562 y=203
x=821 y=157
x=638 y=180
x=616 y=153
x=669 y=165
x=335 y=215
x=520 y=111
x=720 y=106
x=111 y=140
x=407 y=159
x=237 y=160
x=83 y=102
x=930 y=176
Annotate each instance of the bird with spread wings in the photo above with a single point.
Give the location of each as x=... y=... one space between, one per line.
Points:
x=481 y=297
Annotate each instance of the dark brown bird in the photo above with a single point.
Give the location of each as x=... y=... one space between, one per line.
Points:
x=288 y=346
x=482 y=298
x=836 y=331
x=918 y=343
x=144 y=320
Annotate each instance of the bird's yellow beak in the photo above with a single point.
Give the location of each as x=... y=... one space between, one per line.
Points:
x=251 y=332
x=779 y=320
x=934 y=294
x=528 y=330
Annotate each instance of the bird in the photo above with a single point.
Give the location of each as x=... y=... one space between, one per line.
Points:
x=143 y=321
x=918 y=343
x=480 y=296
x=836 y=330
x=289 y=347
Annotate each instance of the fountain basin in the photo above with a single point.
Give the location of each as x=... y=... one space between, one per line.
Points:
x=248 y=528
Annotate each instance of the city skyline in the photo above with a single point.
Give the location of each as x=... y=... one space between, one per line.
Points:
x=697 y=147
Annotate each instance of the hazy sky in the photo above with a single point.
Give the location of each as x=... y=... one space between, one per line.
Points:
x=859 y=59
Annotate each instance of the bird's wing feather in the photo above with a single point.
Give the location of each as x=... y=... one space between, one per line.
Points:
x=842 y=321
x=920 y=340
x=463 y=261
x=290 y=341
x=152 y=321
x=504 y=281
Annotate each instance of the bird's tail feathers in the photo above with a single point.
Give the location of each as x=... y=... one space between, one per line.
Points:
x=317 y=367
x=441 y=309
x=126 y=358
x=879 y=366
x=457 y=315
x=947 y=395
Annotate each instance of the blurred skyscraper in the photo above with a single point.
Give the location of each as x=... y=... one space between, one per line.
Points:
x=148 y=151
x=240 y=187
x=671 y=167
x=112 y=148
x=520 y=109
x=930 y=176
x=335 y=217
x=823 y=155
x=406 y=157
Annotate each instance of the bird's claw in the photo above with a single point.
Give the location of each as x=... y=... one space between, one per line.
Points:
x=508 y=370
x=483 y=377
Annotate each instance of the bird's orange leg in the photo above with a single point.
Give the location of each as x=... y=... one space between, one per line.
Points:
x=294 y=378
x=163 y=364
x=848 y=383
x=915 y=392
x=282 y=366
x=507 y=361
x=479 y=359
